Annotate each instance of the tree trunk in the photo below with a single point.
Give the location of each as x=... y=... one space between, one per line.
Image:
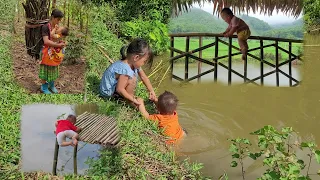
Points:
x=81 y=21
x=54 y=4
x=68 y=14
x=64 y=11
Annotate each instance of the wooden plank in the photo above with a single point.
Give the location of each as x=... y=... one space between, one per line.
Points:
x=234 y=36
x=195 y=57
x=177 y=78
x=265 y=75
x=253 y=56
x=199 y=75
x=189 y=52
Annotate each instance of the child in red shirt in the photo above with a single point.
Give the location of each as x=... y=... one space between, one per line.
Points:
x=66 y=128
x=168 y=117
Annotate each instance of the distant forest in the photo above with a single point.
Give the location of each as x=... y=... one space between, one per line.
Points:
x=198 y=20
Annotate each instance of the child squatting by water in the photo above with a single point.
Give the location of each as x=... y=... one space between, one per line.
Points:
x=167 y=118
x=66 y=128
x=236 y=25
x=120 y=78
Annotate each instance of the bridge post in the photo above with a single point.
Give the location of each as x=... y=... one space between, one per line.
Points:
x=277 y=63
x=55 y=158
x=171 y=55
x=75 y=166
x=216 y=54
x=229 y=60
x=186 y=66
x=200 y=56
x=261 y=62
x=290 y=68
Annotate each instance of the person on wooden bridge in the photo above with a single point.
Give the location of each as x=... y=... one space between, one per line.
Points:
x=236 y=25
x=66 y=128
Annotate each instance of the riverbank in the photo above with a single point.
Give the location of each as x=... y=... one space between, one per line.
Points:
x=141 y=154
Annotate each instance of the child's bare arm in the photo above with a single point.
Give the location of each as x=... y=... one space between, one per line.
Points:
x=231 y=31
x=142 y=108
x=227 y=30
x=78 y=129
x=121 y=85
x=56 y=124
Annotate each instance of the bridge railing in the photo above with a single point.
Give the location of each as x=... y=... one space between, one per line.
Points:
x=214 y=62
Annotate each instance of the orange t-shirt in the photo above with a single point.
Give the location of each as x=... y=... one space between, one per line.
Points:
x=170 y=125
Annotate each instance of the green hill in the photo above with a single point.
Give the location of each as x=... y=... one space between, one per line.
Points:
x=197 y=20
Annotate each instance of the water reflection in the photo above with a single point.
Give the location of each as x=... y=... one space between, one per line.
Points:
x=38 y=138
x=253 y=71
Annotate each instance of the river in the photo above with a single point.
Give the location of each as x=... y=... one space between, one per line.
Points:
x=213 y=113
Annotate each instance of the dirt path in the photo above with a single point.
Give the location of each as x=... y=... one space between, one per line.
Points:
x=25 y=68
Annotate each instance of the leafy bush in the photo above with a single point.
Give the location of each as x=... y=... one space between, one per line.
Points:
x=155 y=32
x=74 y=48
x=278 y=151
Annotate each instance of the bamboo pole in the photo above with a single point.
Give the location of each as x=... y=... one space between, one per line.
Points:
x=216 y=54
x=100 y=130
x=277 y=64
x=290 y=68
x=55 y=158
x=186 y=67
x=261 y=62
x=105 y=127
x=229 y=61
x=171 y=55
x=75 y=166
x=200 y=56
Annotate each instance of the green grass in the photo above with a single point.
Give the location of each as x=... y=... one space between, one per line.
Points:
x=141 y=153
x=208 y=54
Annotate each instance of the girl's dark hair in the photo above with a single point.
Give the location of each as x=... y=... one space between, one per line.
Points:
x=167 y=103
x=227 y=11
x=56 y=13
x=137 y=47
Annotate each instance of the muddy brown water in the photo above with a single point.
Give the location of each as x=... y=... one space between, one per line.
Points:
x=38 y=139
x=213 y=113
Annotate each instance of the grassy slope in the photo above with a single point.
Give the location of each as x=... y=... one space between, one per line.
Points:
x=142 y=153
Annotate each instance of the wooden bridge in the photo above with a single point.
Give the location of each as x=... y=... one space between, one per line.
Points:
x=96 y=129
x=214 y=62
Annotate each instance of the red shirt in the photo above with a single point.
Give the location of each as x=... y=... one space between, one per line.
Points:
x=65 y=125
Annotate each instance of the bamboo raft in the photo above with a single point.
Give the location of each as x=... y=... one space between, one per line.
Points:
x=95 y=129
x=98 y=129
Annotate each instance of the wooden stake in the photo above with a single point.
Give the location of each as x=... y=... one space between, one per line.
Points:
x=55 y=158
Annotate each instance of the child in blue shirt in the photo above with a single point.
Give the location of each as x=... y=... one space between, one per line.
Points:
x=120 y=78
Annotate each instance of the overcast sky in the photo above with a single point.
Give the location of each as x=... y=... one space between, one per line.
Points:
x=274 y=19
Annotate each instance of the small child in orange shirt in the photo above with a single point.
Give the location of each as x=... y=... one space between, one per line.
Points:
x=168 y=117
